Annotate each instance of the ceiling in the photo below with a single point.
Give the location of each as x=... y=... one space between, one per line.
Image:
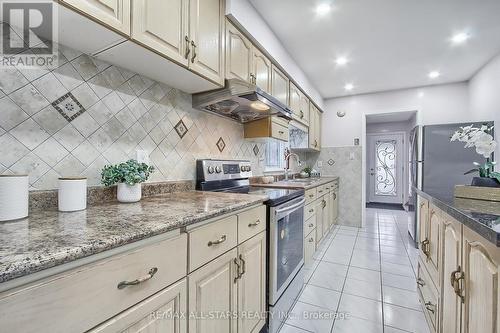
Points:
x=395 y=117
x=390 y=44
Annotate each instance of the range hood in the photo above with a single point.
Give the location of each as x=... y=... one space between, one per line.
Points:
x=241 y=101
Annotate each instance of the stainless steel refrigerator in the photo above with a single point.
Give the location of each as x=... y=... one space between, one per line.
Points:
x=437 y=165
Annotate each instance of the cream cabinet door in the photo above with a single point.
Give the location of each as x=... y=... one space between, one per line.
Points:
x=163 y=26
x=452 y=249
x=113 y=13
x=326 y=213
x=261 y=69
x=335 y=209
x=163 y=312
x=317 y=126
x=423 y=222
x=252 y=284
x=433 y=253
x=309 y=247
x=206 y=30
x=314 y=128
x=279 y=85
x=238 y=54
x=304 y=109
x=295 y=95
x=213 y=290
x=319 y=220
x=481 y=284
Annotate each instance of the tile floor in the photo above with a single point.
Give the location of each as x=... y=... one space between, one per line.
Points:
x=364 y=275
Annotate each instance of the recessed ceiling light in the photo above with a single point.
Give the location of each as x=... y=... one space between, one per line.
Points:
x=349 y=87
x=460 y=38
x=434 y=74
x=341 y=61
x=323 y=8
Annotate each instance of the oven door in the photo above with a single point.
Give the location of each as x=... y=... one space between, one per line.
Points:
x=286 y=245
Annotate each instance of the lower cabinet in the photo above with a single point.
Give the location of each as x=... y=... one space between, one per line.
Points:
x=309 y=247
x=319 y=220
x=335 y=205
x=163 y=312
x=213 y=295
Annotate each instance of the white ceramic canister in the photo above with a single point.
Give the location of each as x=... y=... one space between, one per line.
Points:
x=126 y=193
x=72 y=194
x=14 y=197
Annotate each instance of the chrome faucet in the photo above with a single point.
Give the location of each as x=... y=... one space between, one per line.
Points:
x=289 y=154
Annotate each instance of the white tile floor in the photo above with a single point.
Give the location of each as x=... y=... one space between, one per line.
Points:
x=366 y=274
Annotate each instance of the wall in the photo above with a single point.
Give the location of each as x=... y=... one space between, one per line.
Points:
x=254 y=24
x=121 y=112
x=484 y=92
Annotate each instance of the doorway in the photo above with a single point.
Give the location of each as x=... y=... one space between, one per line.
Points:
x=385 y=159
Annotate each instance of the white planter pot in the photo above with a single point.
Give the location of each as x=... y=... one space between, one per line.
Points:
x=127 y=193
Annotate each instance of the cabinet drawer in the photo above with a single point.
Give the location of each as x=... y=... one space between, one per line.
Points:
x=279 y=131
x=328 y=187
x=309 y=211
x=311 y=195
x=251 y=222
x=309 y=225
x=309 y=247
x=428 y=295
x=86 y=296
x=321 y=190
x=210 y=241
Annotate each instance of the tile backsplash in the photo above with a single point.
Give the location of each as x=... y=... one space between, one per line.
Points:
x=85 y=114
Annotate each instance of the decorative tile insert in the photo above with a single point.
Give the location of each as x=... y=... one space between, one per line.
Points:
x=331 y=162
x=256 y=150
x=68 y=106
x=181 y=129
x=221 y=144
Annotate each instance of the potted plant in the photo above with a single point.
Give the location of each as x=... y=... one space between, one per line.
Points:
x=482 y=140
x=129 y=176
x=306 y=172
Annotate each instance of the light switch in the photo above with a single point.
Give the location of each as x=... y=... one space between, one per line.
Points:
x=319 y=164
x=142 y=156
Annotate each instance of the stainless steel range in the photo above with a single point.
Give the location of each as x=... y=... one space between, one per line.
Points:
x=285 y=221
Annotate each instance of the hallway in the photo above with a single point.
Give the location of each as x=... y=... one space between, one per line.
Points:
x=362 y=280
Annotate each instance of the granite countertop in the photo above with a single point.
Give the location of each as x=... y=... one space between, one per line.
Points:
x=481 y=216
x=298 y=184
x=48 y=238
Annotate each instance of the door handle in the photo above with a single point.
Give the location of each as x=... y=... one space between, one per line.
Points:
x=194 y=51
x=457 y=283
x=243 y=265
x=430 y=307
x=237 y=270
x=425 y=247
x=188 y=50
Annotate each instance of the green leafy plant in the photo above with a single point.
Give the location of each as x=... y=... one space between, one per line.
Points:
x=307 y=170
x=130 y=173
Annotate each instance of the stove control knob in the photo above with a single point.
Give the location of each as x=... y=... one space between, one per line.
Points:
x=249 y=168
x=243 y=168
x=218 y=169
x=210 y=169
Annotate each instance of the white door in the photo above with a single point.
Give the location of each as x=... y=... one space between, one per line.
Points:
x=385 y=168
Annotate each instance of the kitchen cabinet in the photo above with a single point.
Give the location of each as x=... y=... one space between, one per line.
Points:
x=452 y=260
x=309 y=247
x=252 y=284
x=478 y=284
x=428 y=295
x=239 y=53
x=112 y=13
x=163 y=26
x=314 y=128
x=279 y=85
x=430 y=225
x=299 y=104
x=261 y=70
x=423 y=221
x=161 y=312
x=327 y=215
x=206 y=30
x=213 y=289
x=319 y=220
x=270 y=127
x=335 y=205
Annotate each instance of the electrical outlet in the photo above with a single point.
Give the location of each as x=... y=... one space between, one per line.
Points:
x=142 y=156
x=319 y=164
x=351 y=156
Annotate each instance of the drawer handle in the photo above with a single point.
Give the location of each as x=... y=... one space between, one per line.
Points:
x=420 y=282
x=320 y=191
x=281 y=132
x=430 y=307
x=334 y=196
x=301 y=114
x=311 y=195
x=219 y=241
x=311 y=210
x=140 y=280
x=311 y=225
x=254 y=224
x=311 y=240
x=237 y=270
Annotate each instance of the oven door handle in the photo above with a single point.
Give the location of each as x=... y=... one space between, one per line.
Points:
x=290 y=208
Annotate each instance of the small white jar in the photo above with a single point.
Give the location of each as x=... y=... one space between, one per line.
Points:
x=14 y=197
x=126 y=193
x=72 y=194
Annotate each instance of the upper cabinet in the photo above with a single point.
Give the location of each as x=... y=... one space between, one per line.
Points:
x=314 y=128
x=279 y=85
x=163 y=26
x=206 y=30
x=261 y=70
x=238 y=55
x=113 y=13
x=299 y=104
